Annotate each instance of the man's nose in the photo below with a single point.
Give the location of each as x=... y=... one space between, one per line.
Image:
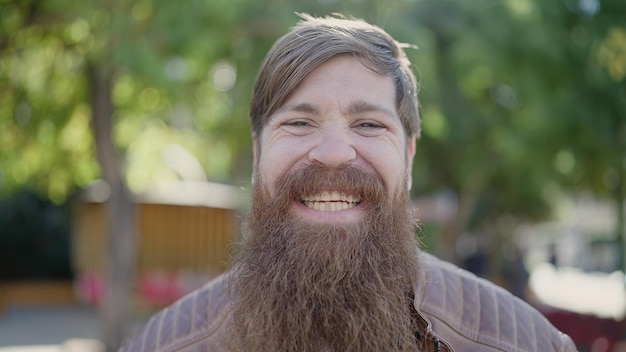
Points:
x=334 y=149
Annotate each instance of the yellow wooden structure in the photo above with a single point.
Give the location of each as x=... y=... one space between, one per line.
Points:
x=182 y=230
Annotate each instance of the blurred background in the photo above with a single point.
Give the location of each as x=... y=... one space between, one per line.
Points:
x=125 y=155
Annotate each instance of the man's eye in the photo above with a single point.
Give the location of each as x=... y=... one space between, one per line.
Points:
x=371 y=125
x=297 y=123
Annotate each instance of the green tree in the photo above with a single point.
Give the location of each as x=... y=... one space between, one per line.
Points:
x=116 y=69
x=522 y=97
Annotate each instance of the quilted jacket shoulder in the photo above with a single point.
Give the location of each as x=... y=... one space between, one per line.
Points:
x=472 y=314
x=193 y=323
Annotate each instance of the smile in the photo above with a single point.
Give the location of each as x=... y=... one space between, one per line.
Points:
x=331 y=201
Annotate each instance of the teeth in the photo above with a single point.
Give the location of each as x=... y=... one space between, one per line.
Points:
x=330 y=201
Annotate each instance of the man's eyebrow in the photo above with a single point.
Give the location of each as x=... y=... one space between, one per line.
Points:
x=355 y=108
x=362 y=107
x=302 y=107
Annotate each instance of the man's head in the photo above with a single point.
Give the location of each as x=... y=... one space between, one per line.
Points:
x=330 y=259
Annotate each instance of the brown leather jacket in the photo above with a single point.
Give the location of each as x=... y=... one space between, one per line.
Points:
x=458 y=312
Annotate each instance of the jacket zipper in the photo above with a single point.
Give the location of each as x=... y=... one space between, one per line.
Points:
x=437 y=345
x=437 y=341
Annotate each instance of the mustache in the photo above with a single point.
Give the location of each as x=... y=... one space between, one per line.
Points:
x=314 y=179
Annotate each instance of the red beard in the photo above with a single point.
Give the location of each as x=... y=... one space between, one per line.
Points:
x=304 y=286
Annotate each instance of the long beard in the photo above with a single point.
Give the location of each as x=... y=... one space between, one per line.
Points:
x=302 y=286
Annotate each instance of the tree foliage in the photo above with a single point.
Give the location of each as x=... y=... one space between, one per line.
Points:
x=515 y=83
x=523 y=101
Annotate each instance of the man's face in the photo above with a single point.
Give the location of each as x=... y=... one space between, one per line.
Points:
x=342 y=114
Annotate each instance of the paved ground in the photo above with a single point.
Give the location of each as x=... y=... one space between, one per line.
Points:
x=49 y=328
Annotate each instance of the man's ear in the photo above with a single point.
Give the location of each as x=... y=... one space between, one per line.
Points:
x=256 y=154
x=255 y=150
x=410 y=155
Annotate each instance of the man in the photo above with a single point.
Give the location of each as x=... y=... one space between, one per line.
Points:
x=330 y=261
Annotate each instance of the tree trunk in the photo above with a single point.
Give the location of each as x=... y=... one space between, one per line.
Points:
x=620 y=231
x=120 y=250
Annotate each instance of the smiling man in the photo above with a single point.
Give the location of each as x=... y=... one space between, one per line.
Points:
x=330 y=261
